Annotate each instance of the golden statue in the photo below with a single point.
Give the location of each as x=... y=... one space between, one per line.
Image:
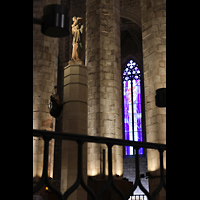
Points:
x=78 y=38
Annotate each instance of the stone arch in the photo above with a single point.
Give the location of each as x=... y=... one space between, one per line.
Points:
x=131 y=35
x=131 y=16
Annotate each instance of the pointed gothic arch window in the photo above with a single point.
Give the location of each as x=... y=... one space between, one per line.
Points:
x=133 y=127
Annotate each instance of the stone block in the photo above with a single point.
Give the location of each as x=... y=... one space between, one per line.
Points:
x=75 y=97
x=75 y=92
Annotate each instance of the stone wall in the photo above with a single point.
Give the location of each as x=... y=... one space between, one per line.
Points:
x=45 y=61
x=154 y=60
x=153 y=14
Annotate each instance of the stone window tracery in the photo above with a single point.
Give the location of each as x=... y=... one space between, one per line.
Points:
x=132 y=105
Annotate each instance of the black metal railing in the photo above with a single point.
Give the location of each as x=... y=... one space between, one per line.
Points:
x=80 y=139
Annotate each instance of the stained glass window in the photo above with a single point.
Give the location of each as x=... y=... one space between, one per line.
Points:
x=132 y=105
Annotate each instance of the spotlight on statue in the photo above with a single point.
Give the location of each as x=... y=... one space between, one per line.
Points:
x=160 y=97
x=54 y=22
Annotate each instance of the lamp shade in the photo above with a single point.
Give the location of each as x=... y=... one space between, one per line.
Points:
x=55 y=21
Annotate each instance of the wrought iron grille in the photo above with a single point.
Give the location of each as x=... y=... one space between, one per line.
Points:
x=80 y=139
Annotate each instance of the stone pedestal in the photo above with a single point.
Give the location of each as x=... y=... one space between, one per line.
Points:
x=75 y=97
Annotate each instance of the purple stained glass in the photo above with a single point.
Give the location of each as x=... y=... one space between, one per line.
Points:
x=132 y=99
x=128 y=111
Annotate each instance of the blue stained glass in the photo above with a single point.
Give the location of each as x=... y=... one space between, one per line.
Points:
x=141 y=151
x=132 y=99
x=137 y=108
x=140 y=136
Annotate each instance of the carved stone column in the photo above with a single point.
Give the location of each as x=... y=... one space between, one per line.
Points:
x=104 y=80
x=154 y=59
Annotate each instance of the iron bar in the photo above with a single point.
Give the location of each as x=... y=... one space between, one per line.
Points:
x=110 y=142
x=109 y=181
x=104 y=161
x=96 y=139
x=162 y=182
x=110 y=173
x=45 y=179
x=45 y=167
x=137 y=179
x=79 y=180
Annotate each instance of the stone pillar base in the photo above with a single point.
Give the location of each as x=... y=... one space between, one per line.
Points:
x=75 y=96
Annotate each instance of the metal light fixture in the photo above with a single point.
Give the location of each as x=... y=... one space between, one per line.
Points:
x=54 y=22
x=160 y=97
x=55 y=107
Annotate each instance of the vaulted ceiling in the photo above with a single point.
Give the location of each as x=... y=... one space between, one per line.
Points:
x=131 y=40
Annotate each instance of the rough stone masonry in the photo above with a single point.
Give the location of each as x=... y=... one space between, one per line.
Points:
x=45 y=62
x=104 y=85
x=154 y=60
